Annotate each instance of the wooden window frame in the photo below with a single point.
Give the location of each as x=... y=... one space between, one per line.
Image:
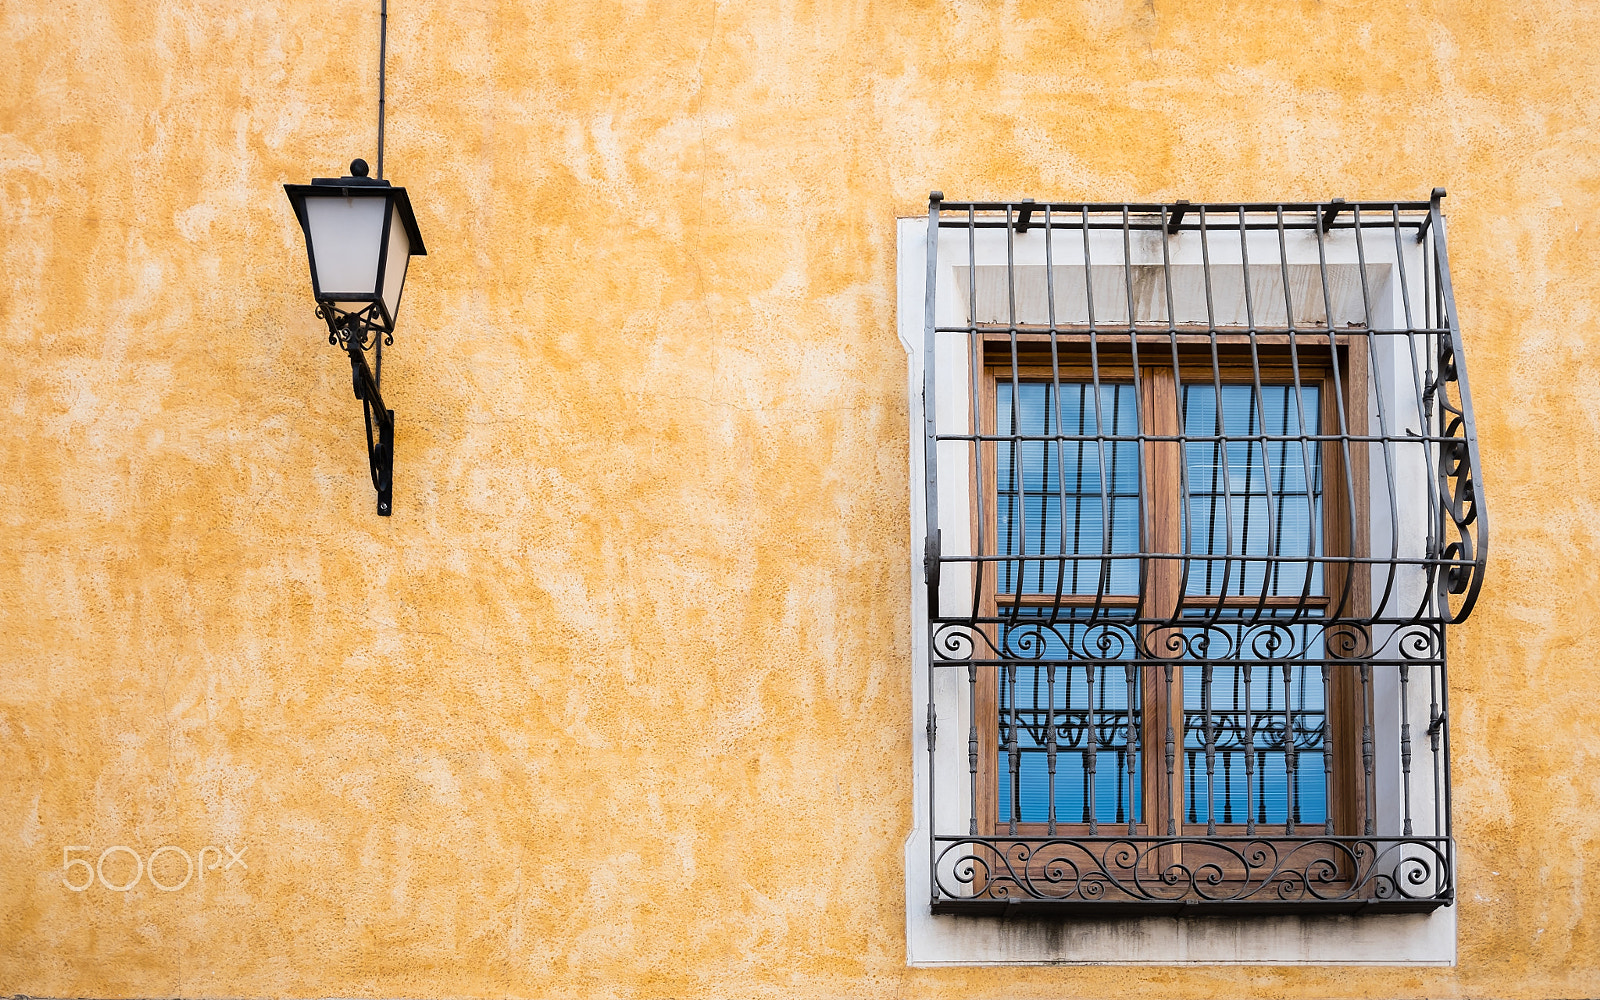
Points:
x=1239 y=359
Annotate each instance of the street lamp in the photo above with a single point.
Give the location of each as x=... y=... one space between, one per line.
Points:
x=360 y=233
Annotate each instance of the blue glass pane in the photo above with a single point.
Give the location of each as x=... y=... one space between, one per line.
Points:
x=1251 y=770
x=1068 y=498
x=1253 y=495
x=1072 y=694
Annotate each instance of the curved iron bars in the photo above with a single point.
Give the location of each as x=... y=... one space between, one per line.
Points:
x=1466 y=553
x=1280 y=674
x=355 y=334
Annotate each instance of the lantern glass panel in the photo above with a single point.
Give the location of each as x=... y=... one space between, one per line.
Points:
x=399 y=256
x=346 y=237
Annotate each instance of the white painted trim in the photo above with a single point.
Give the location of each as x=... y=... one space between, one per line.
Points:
x=952 y=939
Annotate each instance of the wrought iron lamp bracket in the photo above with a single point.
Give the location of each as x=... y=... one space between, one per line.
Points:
x=355 y=334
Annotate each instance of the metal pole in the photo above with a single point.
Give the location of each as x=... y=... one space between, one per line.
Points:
x=383 y=57
x=383 y=53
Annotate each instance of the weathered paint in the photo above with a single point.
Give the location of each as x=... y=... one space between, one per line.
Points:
x=616 y=704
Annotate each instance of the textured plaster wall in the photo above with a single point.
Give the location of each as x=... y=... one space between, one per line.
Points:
x=617 y=704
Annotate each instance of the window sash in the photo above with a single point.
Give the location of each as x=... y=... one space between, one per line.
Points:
x=1057 y=764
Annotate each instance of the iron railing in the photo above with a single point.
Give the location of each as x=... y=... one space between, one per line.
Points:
x=1201 y=498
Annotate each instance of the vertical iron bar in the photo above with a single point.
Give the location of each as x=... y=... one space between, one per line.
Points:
x=1258 y=419
x=1291 y=772
x=1430 y=308
x=1015 y=576
x=1221 y=459
x=1050 y=726
x=1083 y=774
x=1013 y=752
x=1122 y=755
x=1194 y=796
x=1183 y=439
x=1219 y=446
x=972 y=741
x=1016 y=572
x=1145 y=507
x=1227 y=786
x=1172 y=792
x=1445 y=881
x=930 y=528
x=1061 y=445
x=1077 y=485
x=1305 y=444
x=1141 y=432
x=1405 y=742
x=1434 y=725
x=1295 y=786
x=1061 y=492
x=1099 y=425
x=1384 y=432
x=1444 y=728
x=1366 y=747
x=1145 y=511
x=930 y=423
x=1437 y=384
x=933 y=786
x=1211 y=748
x=1249 y=755
x=1268 y=714
x=1132 y=741
x=1092 y=763
x=1327 y=746
x=1261 y=797
x=1183 y=500
x=975 y=372
x=1444 y=725
x=1424 y=394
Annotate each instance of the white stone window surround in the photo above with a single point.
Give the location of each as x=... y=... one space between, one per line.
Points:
x=961 y=939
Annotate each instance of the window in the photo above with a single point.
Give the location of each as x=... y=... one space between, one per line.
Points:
x=1199 y=504
x=1254 y=475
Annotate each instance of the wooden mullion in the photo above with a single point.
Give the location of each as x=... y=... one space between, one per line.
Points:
x=1163 y=513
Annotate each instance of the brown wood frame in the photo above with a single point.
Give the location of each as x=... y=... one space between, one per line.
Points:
x=1344 y=520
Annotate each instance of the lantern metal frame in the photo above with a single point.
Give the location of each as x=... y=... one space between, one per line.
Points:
x=371 y=325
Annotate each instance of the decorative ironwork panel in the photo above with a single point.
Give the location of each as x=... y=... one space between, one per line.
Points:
x=1201 y=500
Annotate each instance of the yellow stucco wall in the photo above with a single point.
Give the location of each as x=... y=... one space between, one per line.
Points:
x=617 y=704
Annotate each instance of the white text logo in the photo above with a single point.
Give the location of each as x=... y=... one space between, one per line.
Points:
x=127 y=867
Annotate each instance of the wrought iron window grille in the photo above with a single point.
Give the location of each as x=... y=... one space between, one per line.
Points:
x=1200 y=498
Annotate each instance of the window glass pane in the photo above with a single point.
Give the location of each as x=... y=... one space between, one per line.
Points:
x=1074 y=498
x=1254 y=690
x=1079 y=692
x=1255 y=489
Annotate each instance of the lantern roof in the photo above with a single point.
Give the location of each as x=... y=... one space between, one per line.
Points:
x=351 y=186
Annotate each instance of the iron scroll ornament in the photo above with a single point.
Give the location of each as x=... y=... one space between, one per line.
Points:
x=1369 y=872
x=1466 y=554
